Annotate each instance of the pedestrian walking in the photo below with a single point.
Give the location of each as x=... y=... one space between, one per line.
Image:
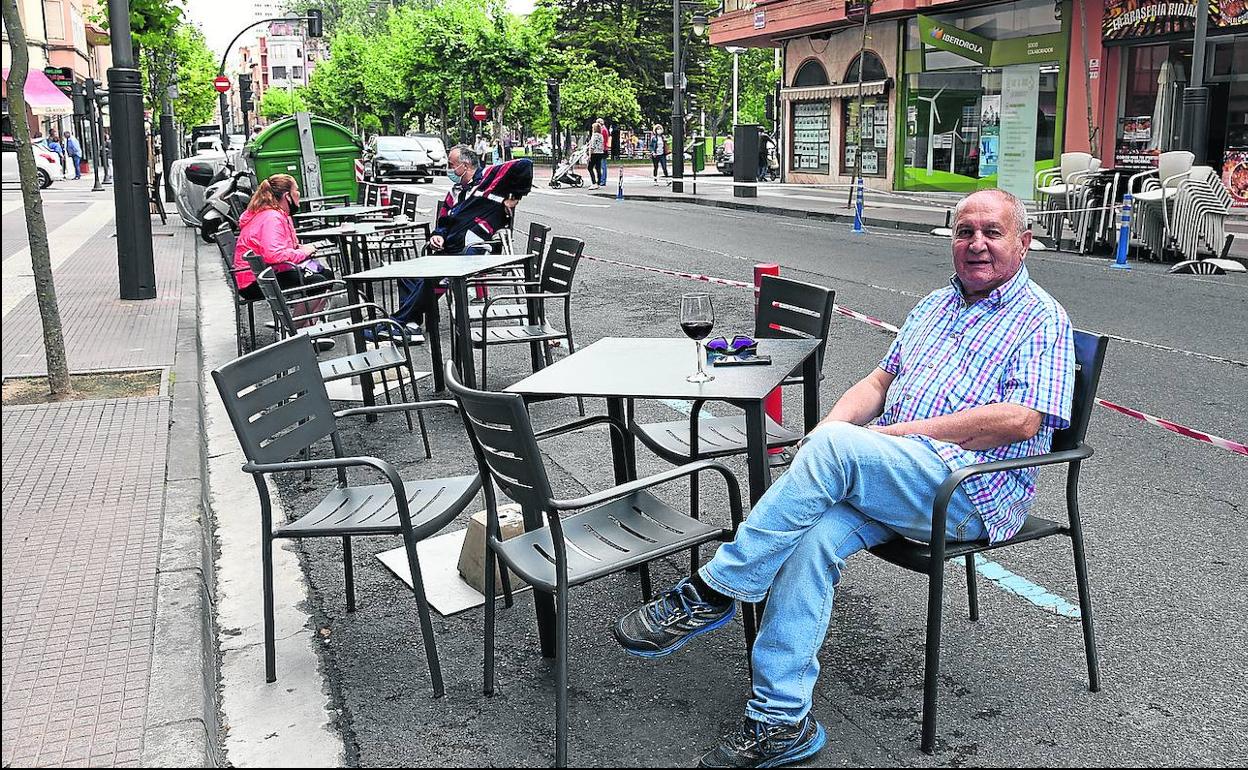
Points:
x=106 y=156
x=764 y=156
x=658 y=152
x=74 y=151
x=606 y=148
x=597 y=149
x=54 y=145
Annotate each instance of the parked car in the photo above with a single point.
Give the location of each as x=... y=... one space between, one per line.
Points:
x=398 y=157
x=47 y=164
x=437 y=151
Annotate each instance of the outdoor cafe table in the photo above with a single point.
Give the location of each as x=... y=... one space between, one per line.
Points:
x=343 y=212
x=434 y=268
x=351 y=238
x=620 y=368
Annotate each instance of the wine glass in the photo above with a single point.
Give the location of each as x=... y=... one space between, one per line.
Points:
x=697 y=316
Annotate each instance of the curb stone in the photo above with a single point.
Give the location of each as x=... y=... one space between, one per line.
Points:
x=182 y=725
x=884 y=224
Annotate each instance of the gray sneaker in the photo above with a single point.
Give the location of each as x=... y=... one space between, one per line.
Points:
x=661 y=627
x=762 y=745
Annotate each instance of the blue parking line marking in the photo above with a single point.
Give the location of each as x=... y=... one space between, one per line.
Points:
x=1021 y=586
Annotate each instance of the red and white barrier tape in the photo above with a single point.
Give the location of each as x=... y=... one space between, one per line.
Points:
x=1182 y=430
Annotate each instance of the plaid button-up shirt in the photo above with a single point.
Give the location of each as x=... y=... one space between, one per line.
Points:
x=1015 y=346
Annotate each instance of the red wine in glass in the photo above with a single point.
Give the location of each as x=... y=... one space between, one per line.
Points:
x=697 y=317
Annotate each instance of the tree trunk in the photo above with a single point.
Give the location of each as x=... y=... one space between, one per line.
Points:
x=36 y=227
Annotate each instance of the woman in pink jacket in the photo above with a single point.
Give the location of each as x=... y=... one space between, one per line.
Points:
x=267 y=229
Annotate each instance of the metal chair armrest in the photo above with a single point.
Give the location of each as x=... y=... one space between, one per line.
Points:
x=339 y=310
x=944 y=493
x=672 y=474
x=581 y=424
x=411 y=406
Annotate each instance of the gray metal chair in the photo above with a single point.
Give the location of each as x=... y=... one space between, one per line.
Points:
x=511 y=278
x=226 y=242
x=277 y=404
x=569 y=542
x=1068 y=449
x=555 y=284
x=391 y=353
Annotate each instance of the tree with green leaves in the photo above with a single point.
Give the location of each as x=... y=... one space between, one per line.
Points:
x=589 y=91
x=279 y=103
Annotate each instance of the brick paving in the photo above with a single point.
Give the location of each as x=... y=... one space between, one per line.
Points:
x=81 y=544
x=102 y=331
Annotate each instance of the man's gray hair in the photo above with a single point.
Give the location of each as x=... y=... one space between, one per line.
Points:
x=1015 y=204
x=468 y=154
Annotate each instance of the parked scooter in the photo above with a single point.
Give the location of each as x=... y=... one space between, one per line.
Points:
x=225 y=200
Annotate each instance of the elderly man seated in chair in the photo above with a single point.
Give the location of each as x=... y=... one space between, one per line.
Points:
x=982 y=370
x=479 y=202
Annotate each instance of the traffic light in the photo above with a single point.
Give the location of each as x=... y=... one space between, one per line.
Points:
x=315 y=28
x=79 y=99
x=552 y=95
x=244 y=91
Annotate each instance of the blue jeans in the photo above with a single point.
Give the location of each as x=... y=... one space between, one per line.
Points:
x=848 y=489
x=602 y=170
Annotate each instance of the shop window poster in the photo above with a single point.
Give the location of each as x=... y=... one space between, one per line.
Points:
x=1235 y=175
x=1016 y=164
x=989 y=134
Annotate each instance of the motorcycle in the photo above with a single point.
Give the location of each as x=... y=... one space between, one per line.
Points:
x=225 y=200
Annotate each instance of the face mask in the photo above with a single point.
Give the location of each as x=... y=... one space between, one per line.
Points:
x=453 y=176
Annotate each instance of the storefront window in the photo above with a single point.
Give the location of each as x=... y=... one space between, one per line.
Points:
x=811 y=137
x=868 y=135
x=982 y=97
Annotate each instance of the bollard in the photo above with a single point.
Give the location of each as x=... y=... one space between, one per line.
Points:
x=1124 y=234
x=619 y=191
x=774 y=403
x=383 y=195
x=858 y=211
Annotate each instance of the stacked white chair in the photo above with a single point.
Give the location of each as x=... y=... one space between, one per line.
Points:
x=1154 y=199
x=1200 y=210
x=1055 y=187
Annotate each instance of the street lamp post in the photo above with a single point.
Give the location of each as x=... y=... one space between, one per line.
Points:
x=736 y=52
x=678 y=75
x=314 y=21
x=136 y=268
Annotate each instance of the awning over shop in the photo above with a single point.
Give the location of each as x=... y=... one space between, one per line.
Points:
x=42 y=95
x=838 y=91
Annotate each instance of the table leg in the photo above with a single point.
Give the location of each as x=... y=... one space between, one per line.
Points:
x=433 y=335
x=357 y=316
x=531 y=315
x=623 y=448
x=810 y=392
x=756 y=450
x=463 y=338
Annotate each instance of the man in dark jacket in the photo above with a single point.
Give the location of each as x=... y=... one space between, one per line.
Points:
x=480 y=201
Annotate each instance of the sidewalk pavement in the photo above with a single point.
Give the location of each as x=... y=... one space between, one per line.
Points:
x=106 y=604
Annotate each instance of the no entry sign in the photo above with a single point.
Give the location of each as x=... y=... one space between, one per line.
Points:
x=222 y=84
x=480 y=112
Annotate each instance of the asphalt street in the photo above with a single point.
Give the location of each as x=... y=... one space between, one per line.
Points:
x=1163 y=515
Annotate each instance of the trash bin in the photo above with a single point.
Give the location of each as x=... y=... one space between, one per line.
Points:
x=278 y=150
x=699 y=154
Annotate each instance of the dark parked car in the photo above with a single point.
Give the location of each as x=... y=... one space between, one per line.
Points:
x=398 y=157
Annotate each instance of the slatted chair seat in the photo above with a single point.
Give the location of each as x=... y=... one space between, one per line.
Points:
x=367 y=362
x=717 y=436
x=1152 y=196
x=371 y=510
x=917 y=557
x=503 y=335
x=600 y=541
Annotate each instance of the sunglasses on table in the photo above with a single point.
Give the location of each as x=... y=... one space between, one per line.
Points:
x=740 y=343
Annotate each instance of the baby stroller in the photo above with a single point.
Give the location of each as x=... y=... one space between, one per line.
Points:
x=565 y=173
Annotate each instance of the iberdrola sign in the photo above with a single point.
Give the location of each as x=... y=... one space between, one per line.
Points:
x=947 y=37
